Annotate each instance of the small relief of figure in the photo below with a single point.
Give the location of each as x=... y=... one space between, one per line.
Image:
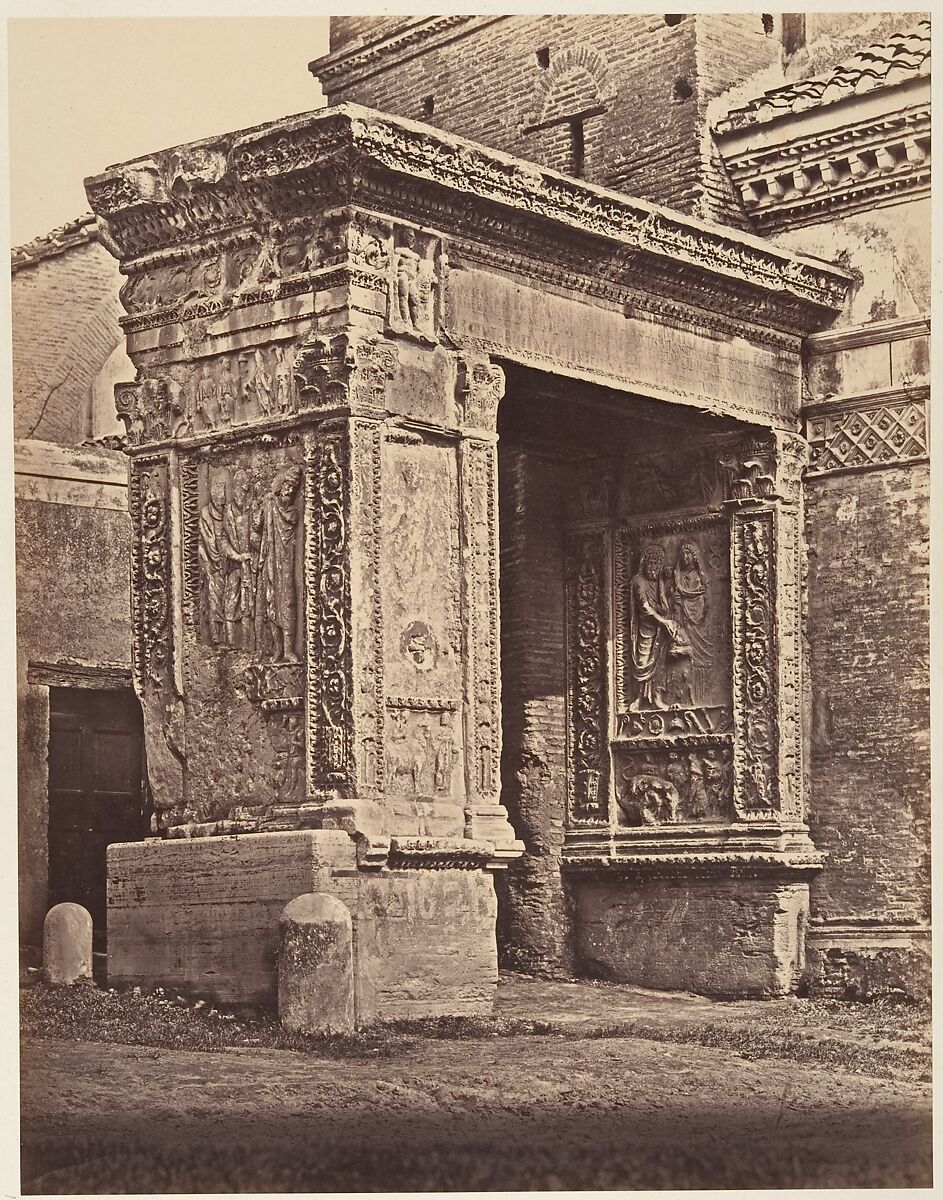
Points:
x=204 y=397
x=217 y=558
x=690 y=607
x=676 y=772
x=226 y=393
x=405 y=756
x=260 y=386
x=242 y=528
x=444 y=754
x=651 y=629
x=278 y=584
x=698 y=804
x=414 y=277
x=716 y=770
x=284 y=370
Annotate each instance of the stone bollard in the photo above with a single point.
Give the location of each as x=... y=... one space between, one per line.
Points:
x=316 y=965
x=67 y=944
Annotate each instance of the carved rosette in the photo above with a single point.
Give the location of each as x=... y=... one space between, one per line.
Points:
x=478 y=473
x=588 y=691
x=150 y=592
x=327 y=589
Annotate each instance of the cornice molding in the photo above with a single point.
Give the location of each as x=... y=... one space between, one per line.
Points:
x=352 y=62
x=897 y=329
x=346 y=155
x=833 y=160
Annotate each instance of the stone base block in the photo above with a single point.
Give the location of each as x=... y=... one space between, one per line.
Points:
x=202 y=915
x=718 y=936
x=863 y=964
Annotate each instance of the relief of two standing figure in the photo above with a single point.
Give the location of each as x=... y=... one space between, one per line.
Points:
x=670 y=641
x=248 y=554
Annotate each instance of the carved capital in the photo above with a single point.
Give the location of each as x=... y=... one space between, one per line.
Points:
x=345 y=370
x=146 y=410
x=764 y=468
x=479 y=391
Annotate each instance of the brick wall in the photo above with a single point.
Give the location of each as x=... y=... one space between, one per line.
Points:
x=534 y=925
x=652 y=78
x=65 y=327
x=868 y=632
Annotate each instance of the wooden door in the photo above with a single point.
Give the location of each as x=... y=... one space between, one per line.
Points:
x=96 y=793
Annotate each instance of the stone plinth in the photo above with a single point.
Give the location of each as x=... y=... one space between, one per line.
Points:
x=203 y=915
x=316 y=965
x=67 y=944
x=717 y=936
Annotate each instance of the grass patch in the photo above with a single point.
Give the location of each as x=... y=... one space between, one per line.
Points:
x=799 y=1031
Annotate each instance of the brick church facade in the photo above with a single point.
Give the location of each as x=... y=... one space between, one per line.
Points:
x=528 y=479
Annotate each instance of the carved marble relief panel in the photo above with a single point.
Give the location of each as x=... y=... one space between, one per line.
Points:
x=243 y=554
x=419 y=543
x=421 y=750
x=210 y=394
x=663 y=480
x=243 y=630
x=690 y=784
x=673 y=641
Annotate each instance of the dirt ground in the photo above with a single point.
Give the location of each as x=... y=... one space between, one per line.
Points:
x=559 y=1111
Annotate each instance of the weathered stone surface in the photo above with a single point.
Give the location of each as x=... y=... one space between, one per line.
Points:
x=67 y=944
x=316 y=965
x=722 y=937
x=203 y=914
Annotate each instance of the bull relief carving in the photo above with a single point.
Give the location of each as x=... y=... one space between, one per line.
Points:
x=420 y=752
x=414 y=281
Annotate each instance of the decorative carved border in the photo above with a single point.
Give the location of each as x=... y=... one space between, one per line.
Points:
x=479 y=524
x=755 y=692
x=152 y=628
x=810 y=171
x=587 y=677
x=845 y=435
x=190 y=531
x=263 y=168
x=366 y=442
x=327 y=592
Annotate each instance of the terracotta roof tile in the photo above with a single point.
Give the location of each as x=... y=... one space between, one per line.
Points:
x=73 y=233
x=902 y=56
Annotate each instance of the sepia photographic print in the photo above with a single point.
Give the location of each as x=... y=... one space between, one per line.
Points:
x=471 y=485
